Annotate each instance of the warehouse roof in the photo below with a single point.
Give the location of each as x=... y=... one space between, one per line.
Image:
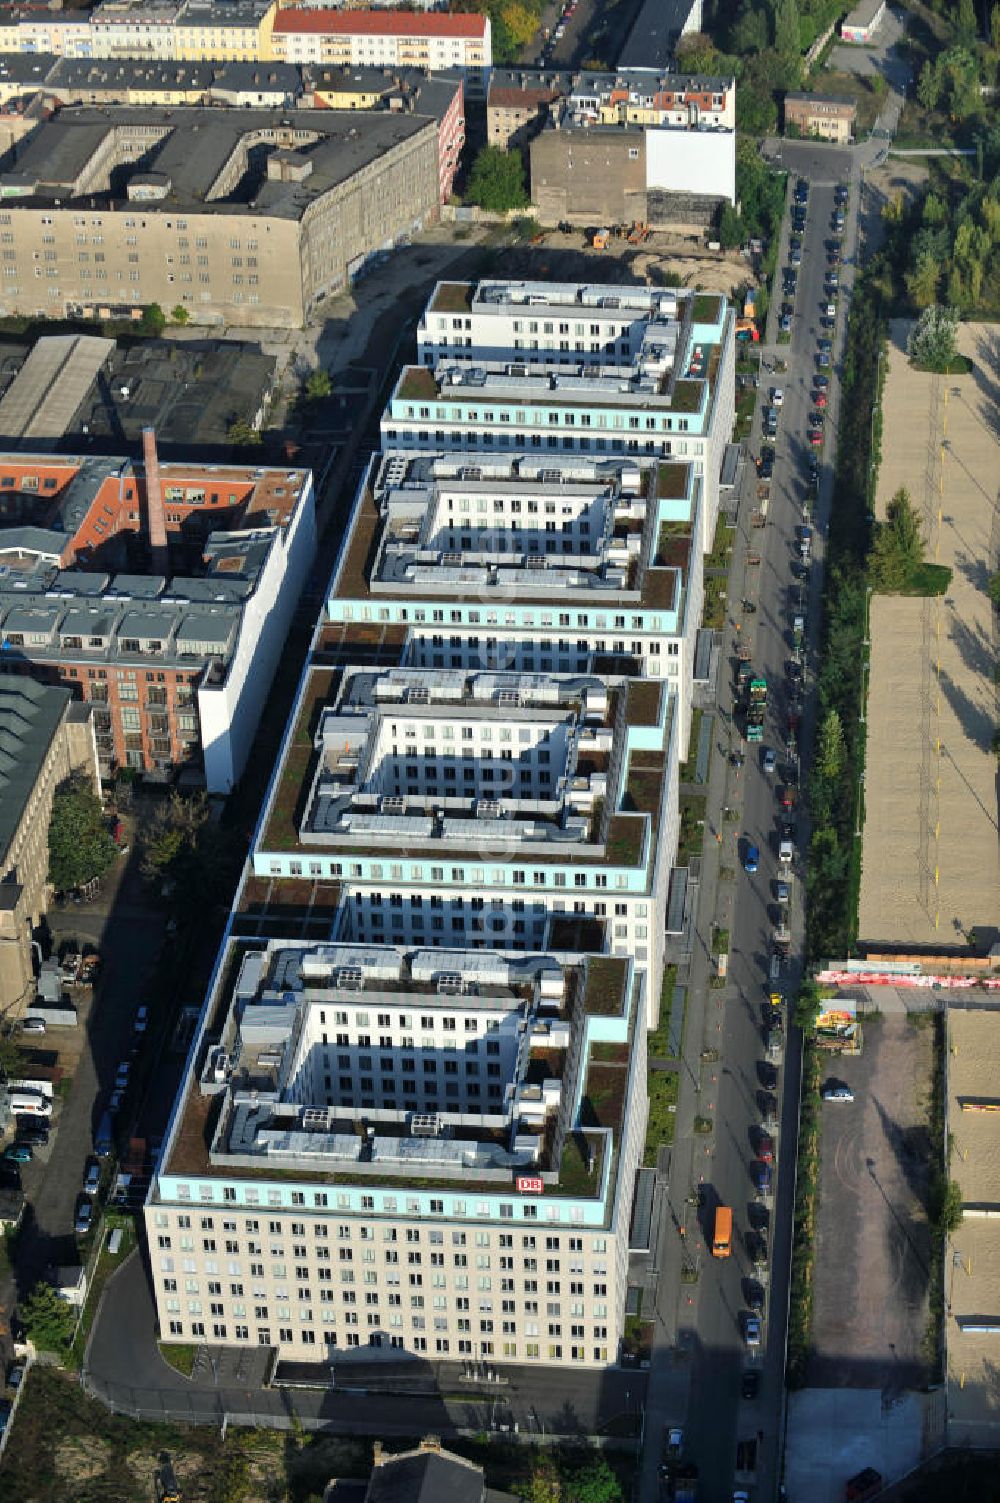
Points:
x=30 y=716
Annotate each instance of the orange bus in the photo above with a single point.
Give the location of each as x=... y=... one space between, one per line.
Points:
x=722 y=1236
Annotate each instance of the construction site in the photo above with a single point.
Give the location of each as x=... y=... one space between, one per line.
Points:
x=931 y=858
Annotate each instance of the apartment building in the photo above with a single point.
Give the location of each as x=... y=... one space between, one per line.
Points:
x=160 y=596
x=525 y=564
x=154 y=30
x=477 y=808
x=246 y=217
x=45 y=737
x=572 y=368
x=637 y=145
x=518 y=103
x=386 y=1145
x=432 y=40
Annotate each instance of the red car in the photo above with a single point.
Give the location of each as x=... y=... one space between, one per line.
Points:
x=788 y=797
x=816 y=438
x=765 y=1148
x=819 y=397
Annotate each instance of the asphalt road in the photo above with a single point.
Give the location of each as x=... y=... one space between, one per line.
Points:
x=717 y=1416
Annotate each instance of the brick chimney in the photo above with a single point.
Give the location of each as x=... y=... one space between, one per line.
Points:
x=155 y=520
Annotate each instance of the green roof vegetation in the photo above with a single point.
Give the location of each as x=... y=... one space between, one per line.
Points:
x=643 y=706
x=604 y=1096
x=672 y=481
x=706 y=308
x=453 y=297
x=687 y=396
x=604 y=996
x=418 y=382
x=574 y=1177
x=624 y=843
x=661 y=589
x=282 y=832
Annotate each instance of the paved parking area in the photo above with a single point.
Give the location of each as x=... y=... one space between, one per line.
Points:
x=870 y=1303
x=128 y=930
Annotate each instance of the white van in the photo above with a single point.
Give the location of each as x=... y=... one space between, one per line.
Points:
x=30 y=1104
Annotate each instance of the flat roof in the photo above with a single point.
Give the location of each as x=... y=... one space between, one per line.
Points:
x=40 y=402
x=386 y=23
x=655 y=33
x=194 y=147
x=240 y=1120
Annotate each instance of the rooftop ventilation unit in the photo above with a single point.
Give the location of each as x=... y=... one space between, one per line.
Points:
x=509 y=697
x=449 y=984
x=350 y=978
x=425 y=1125
x=419 y=695
x=392 y=804
x=488 y=808
x=314 y=1119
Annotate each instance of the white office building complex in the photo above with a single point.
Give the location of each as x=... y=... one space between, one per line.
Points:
x=387 y=1146
x=525 y=563
x=572 y=367
x=416 y=1100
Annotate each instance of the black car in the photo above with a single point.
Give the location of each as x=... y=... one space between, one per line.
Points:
x=768 y=1075
x=35 y=1133
x=754 y=1294
x=750 y=1386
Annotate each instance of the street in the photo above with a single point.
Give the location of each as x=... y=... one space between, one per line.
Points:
x=702 y=1391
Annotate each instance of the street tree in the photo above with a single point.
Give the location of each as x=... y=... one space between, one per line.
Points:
x=48 y=1319
x=595 y=1482
x=898 y=548
x=933 y=343
x=496 y=182
x=831 y=751
x=80 y=843
x=180 y=315
x=808 y=1005
x=923 y=281
x=787 y=39
x=993 y=589
x=154 y=320
x=929 y=86
x=318 y=385
x=243 y=435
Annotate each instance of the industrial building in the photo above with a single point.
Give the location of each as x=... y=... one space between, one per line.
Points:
x=248 y=217
x=159 y=596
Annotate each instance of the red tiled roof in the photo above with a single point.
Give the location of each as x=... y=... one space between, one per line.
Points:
x=380 y=23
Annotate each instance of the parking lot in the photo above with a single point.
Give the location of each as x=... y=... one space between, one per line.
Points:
x=872 y=1246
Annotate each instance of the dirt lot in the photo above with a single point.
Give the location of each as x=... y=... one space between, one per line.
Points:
x=870 y=1310
x=931 y=867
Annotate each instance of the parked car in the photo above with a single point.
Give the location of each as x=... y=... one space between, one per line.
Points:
x=751 y=860
x=769 y=761
x=751 y=1329
x=750 y=1386
x=84 y=1217
x=822 y=382
x=19 y=1153
x=760 y=1173
x=141 y=1022
x=837 y=1091
x=765 y=1147
x=15 y=1376
x=91 y=1176
x=35 y=1133
x=122 y=1074
x=33 y=1025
